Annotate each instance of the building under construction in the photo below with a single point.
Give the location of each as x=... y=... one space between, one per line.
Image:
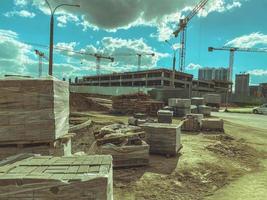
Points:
x=156 y=78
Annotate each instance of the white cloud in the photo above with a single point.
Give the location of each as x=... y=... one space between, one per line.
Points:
x=258 y=72
x=21 y=13
x=20 y=2
x=193 y=66
x=14 y=55
x=64 y=18
x=248 y=41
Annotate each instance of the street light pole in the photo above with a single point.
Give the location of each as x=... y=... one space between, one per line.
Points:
x=173 y=62
x=51 y=43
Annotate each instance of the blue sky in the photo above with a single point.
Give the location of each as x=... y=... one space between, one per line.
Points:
x=127 y=27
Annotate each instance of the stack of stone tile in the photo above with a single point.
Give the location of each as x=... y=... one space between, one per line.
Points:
x=47 y=177
x=163 y=139
x=181 y=107
x=192 y=122
x=34 y=113
x=165 y=116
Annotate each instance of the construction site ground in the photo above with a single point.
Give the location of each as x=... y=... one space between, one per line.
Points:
x=211 y=166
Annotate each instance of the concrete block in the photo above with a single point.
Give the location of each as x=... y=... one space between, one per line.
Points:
x=212 y=125
x=165 y=116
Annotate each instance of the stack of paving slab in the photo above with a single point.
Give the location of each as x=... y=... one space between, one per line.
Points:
x=199 y=102
x=47 y=178
x=181 y=107
x=192 y=122
x=163 y=139
x=125 y=143
x=212 y=125
x=165 y=116
x=34 y=114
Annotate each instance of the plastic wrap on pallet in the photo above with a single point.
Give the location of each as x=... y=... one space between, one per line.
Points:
x=33 y=109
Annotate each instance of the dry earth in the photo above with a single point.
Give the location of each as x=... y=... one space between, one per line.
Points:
x=223 y=166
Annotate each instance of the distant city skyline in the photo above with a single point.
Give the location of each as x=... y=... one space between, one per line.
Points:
x=115 y=28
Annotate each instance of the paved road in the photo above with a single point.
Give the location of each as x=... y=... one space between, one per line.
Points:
x=252 y=120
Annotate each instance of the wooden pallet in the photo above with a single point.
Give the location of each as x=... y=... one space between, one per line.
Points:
x=47 y=177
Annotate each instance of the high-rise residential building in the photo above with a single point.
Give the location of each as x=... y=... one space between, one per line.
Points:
x=220 y=74
x=242 y=84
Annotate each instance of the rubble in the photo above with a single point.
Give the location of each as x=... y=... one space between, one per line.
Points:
x=125 y=144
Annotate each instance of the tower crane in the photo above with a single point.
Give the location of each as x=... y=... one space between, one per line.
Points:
x=232 y=51
x=41 y=55
x=98 y=60
x=182 y=30
x=139 y=57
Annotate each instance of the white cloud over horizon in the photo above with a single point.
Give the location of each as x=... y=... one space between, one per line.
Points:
x=249 y=41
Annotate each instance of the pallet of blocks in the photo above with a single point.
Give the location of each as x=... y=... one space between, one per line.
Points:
x=210 y=125
x=192 y=122
x=163 y=138
x=34 y=116
x=165 y=116
x=33 y=110
x=56 y=178
x=181 y=107
x=124 y=143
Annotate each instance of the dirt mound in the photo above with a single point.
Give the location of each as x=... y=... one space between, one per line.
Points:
x=237 y=151
x=83 y=102
x=194 y=183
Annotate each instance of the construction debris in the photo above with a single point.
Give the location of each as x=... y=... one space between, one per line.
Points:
x=165 y=116
x=47 y=177
x=133 y=103
x=124 y=143
x=212 y=125
x=163 y=138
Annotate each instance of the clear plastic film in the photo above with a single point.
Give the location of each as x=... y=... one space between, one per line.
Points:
x=33 y=110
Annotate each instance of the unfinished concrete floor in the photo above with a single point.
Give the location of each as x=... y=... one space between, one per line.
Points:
x=233 y=166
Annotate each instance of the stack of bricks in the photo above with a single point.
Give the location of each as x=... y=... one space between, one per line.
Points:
x=34 y=114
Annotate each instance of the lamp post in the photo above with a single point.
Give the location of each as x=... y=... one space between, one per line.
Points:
x=173 y=61
x=51 y=44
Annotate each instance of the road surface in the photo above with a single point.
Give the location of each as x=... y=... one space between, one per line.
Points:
x=252 y=120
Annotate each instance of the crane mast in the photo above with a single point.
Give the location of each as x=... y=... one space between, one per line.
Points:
x=98 y=60
x=232 y=51
x=182 y=30
x=41 y=55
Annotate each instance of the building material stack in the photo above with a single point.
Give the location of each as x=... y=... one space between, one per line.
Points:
x=212 y=125
x=136 y=103
x=181 y=107
x=34 y=115
x=47 y=177
x=165 y=116
x=125 y=144
x=192 y=122
x=163 y=138
x=213 y=100
x=205 y=110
